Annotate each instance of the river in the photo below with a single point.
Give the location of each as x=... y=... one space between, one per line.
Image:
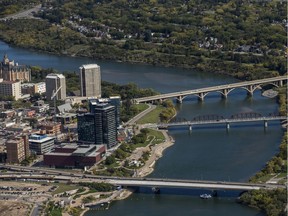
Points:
x=205 y=153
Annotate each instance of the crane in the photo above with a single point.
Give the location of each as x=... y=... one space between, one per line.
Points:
x=53 y=97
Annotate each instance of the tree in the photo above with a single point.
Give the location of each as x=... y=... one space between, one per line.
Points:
x=110 y=160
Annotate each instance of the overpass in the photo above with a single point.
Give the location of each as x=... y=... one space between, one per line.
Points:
x=224 y=90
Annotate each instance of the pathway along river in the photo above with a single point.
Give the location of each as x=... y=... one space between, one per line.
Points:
x=210 y=153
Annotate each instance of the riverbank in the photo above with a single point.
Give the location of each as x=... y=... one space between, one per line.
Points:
x=146 y=169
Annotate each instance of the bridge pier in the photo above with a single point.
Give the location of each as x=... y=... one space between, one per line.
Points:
x=225 y=93
x=201 y=96
x=280 y=83
x=156 y=190
x=265 y=123
x=190 y=128
x=179 y=99
x=227 y=125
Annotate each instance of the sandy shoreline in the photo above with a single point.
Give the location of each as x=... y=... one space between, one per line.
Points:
x=148 y=168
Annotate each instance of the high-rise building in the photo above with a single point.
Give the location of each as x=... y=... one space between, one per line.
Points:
x=98 y=127
x=90 y=79
x=86 y=128
x=10 y=88
x=11 y=71
x=114 y=100
x=17 y=149
x=53 y=83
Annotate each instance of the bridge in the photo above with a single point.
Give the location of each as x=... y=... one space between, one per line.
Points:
x=217 y=120
x=224 y=90
x=142 y=182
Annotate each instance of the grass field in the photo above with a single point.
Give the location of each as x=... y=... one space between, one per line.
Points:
x=64 y=187
x=151 y=117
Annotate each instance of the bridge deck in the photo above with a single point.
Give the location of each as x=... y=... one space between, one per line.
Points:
x=218 y=88
x=223 y=121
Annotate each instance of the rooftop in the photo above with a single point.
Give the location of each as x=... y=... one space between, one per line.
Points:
x=54 y=76
x=89 y=66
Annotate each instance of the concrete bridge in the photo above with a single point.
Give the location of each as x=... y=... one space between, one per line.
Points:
x=190 y=184
x=224 y=90
x=142 y=182
x=218 y=120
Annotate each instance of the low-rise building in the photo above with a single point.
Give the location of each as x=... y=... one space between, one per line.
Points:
x=32 y=88
x=41 y=144
x=7 y=114
x=40 y=106
x=53 y=128
x=67 y=118
x=71 y=155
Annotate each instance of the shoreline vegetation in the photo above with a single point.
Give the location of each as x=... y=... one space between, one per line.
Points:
x=212 y=36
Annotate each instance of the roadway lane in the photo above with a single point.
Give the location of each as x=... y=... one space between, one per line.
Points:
x=140 y=115
x=24 y=14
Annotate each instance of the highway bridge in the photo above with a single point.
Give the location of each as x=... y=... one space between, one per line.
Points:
x=224 y=90
x=136 y=182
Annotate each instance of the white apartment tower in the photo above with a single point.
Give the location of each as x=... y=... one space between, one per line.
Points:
x=53 y=83
x=90 y=79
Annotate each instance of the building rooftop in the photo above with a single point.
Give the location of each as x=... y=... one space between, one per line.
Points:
x=81 y=150
x=64 y=107
x=40 y=138
x=66 y=115
x=89 y=66
x=54 y=76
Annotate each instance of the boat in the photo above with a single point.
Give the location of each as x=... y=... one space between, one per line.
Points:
x=205 y=196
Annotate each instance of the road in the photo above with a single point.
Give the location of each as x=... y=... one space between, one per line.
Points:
x=146 y=182
x=140 y=115
x=24 y=14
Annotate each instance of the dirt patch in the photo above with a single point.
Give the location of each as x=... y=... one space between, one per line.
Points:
x=14 y=208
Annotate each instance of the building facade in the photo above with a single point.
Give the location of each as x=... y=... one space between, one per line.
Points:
x=10 y=88
x=71 y=155
x=90 y=79
x=17 y=149
x=41 y=144
x=98 y=127
x=11 y=71
x=55 y=82
x=32 y=88
x=52 y=128
x=114 y=101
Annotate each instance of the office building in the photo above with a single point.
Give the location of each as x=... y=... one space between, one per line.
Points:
x=10 y=88
x=41 y=144
x=90 y=80
x=114 y=100
x=11 y=71
x=98 y=127
x=17 y=149
x=72 y=155
x=55 y=83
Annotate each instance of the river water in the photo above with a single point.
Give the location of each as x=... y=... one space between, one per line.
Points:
x=205 y=153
